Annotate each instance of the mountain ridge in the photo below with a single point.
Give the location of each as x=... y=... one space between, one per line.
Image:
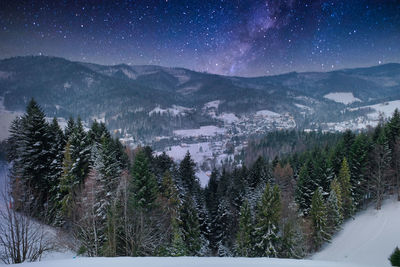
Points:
x=124 y=96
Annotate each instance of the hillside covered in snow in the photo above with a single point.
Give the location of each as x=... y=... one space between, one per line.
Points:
x=368 y=239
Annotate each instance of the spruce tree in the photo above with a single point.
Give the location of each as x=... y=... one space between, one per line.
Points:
x=190 y=227
x=69 y=128
x=267 y=223
x=187 y=176
x=334 y=215
x=80 y=146
x=66 y=187
x=32 y=156
x=244 y=244
x=145 y=186
x=319 y=219
x=56 y=168
x=359 y=165
x=305 y=187
x=346 y=190
x=178 y=247
x=223 y=227
x=381 y=170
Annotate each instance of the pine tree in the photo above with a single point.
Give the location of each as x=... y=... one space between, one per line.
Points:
x=318 y=215
x=395 y=257
x=359 y=164
x=322 y=174
x=381 y=168
x=178 y=247
x=334 y=214
x=145 y=188
x=190 y=227
x=393 y=128
x=36 y=155
x=345 y=189
x=223 y=228
x=267 y=223
x=66 y=187
x=187 y=176
x=289 y=242
x=144 y=234
x=244 y=244
x=69 y=128
x=305 y=187
x=259 y=173
x=80 y=147
x=56 y=168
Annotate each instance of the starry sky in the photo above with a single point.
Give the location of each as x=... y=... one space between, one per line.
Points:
x=229 y=37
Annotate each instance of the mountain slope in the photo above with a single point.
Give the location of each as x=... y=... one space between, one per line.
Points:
x=367 y=240
x=124 y=96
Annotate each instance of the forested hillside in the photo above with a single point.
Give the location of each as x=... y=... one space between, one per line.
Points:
x=122 y=202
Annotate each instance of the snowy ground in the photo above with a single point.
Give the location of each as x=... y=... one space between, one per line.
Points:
x=386 y=109
x=186 y=262
x=342 y=97
x=206 y=131
x=367 y=240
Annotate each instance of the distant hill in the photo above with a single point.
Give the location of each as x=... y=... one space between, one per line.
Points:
x=126 y=97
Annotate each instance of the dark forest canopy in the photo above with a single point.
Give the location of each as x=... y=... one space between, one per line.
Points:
x=297 y=191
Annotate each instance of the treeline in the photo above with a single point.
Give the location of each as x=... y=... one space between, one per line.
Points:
x=277 y=144
x=119 y=202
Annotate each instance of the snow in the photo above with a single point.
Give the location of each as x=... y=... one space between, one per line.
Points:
x=198 y=151
x=228 y=118
x=342 y=97
x=100 y=118
x=6 y=117
x=204 y=131
x=304 y=107
x=386 y=108
x=67 y=85
x=212 y=104
x=190 y=89
x=186 y=262
x=128 y=73
x=174 y=110
x=367 y=240
x=267 y=113
x=203 y=177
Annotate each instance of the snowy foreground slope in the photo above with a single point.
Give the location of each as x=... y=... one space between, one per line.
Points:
x=367 y=240
x=186 y=262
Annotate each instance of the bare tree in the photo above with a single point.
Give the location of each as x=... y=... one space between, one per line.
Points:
x=21 y=238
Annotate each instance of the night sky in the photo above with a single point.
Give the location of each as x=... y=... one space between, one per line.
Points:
x=231 y=37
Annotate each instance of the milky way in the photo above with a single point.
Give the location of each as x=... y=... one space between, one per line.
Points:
x=230 y=37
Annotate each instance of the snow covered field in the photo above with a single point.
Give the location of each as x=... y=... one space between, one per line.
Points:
x=186 y=262
x=367 y=240
x=205 y=131
x=386 y=108
x=342 y=97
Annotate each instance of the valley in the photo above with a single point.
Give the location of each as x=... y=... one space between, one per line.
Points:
x=212 y=116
